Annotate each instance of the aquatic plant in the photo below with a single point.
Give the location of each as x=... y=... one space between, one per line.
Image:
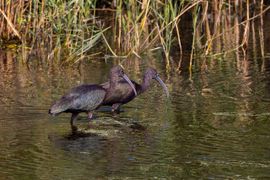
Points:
x=71 y=29
x=63 y=27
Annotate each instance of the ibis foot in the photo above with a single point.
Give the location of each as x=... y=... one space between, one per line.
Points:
x=137 y=126
x=74 y=128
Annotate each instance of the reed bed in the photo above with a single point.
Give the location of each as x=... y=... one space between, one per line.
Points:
x=72 y=30
x=63 y=27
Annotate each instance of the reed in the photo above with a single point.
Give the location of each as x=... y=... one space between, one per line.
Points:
x=226 y=18
x=62 y=26
x=71 y=30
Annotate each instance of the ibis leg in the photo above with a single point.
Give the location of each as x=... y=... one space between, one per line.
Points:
x=116 y=107
x=90 y=116
x=73 y=118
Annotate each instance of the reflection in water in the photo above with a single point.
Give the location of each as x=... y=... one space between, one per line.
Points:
x=215 y=125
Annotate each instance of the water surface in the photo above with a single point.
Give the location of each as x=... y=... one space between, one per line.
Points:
x=214 y=126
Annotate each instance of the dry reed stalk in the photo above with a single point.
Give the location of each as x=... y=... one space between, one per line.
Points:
x=163 y=46
x=246 y=30
x=180 y=46
x=235 y=26
x=253 y=32
x=261 y=34
x=208 y=44
x=119 y=11
x=11 y=25
x=195 y=18
x=104 y=38
x=237 y=41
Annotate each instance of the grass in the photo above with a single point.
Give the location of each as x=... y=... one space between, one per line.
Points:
x=72 y=30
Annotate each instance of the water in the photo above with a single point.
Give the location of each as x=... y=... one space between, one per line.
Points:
x=215 y=125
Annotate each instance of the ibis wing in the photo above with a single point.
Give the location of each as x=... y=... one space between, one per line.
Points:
x=88 y=100
x=81 y=98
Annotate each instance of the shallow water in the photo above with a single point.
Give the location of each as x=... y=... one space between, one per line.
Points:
x=215 y=125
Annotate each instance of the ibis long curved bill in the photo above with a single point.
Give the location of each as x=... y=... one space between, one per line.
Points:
x=130 y=83
x=163 y=85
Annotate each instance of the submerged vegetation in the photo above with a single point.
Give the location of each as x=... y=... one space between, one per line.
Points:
x=71 y=30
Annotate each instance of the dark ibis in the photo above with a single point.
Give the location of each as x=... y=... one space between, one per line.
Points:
x=88 y=97
x=123 y=93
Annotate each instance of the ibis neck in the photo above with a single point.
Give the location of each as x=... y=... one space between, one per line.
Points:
x=145 y=84
x=112 y=83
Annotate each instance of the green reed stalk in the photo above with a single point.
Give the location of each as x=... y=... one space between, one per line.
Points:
x=195 y=19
